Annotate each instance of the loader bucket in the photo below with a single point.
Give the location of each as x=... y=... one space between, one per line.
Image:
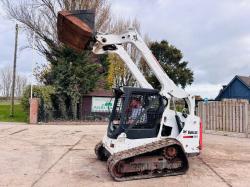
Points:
x=76 y=28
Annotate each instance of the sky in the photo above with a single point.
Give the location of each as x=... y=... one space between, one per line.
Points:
x=26 y=61
x=214 y=37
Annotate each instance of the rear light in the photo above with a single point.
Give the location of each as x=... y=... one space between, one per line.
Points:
x=200 y=140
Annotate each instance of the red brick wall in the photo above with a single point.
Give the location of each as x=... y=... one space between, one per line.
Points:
x=34 y=103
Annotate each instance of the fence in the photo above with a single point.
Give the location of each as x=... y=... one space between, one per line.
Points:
x=94 y=116
x=55 y=115
x=227 y=116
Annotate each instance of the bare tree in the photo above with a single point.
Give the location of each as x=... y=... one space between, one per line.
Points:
x=21 y=82
x=142 y=63
x=40 y=16
x=6 y=80
x=119 y=74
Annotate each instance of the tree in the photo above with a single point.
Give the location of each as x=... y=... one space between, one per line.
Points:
x=118 y=73
x=46 y=98
x=72 y=74
x=170 y=58
x=21 y=82
x=6 y=82
x=40 y=17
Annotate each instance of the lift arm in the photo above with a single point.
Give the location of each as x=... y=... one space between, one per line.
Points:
x=112 y=43
x=168 y=86
x=120 y=51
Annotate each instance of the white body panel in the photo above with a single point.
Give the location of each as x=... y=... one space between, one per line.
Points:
x=190 y=145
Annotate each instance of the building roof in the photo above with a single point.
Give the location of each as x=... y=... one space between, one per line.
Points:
x=245 y=80
x=100 y=92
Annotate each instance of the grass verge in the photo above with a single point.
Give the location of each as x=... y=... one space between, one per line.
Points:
x=19 y=114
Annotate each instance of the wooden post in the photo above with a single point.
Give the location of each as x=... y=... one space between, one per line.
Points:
x=248 y=120
x=224 y=116
x=236 y=123
x=229 y=115
x=241 y=114
x=202 y=114
x=245 y=118
x=204 y=125
x=215 y=115
x=209 y=116
x=219 y=115
x=199 y=109
x=206 y=118
x=232 y=116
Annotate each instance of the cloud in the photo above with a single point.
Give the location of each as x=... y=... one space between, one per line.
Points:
x=209 y=91
x=214 y=36
x=25 y=61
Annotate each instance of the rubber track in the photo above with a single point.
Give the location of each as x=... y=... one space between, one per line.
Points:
x=97 y=147
x=115 y=158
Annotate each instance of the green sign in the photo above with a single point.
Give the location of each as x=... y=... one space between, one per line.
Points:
x=102 y=104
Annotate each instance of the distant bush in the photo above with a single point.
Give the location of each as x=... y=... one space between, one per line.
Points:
x=45 y=94
x=8 y=99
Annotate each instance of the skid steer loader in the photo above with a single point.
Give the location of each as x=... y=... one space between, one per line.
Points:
x=146 y=137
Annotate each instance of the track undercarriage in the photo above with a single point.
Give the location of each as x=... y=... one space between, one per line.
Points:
x=162 y=158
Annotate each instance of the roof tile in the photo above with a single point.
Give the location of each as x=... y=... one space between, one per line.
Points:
x=245 y=79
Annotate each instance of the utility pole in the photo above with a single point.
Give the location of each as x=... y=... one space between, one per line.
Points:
x=14 y=75
x=33 y=47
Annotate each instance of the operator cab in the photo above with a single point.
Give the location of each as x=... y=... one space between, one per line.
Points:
x=137 y=112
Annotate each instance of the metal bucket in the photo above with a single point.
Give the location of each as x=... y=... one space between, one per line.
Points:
x=76 y=28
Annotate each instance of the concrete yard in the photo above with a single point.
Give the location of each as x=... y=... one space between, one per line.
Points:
x=60 y=155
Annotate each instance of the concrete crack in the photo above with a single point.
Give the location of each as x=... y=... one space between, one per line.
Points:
x=60 y=158
x=18 y=131
x=215 y=172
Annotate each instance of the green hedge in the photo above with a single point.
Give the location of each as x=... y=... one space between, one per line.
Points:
x=45 y=94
